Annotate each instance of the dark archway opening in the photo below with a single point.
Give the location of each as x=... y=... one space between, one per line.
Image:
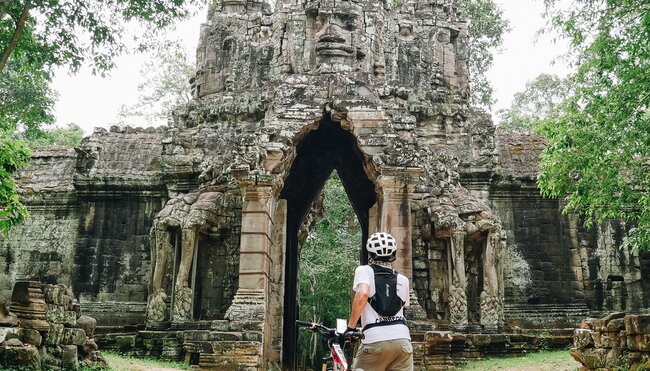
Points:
x=322 y=151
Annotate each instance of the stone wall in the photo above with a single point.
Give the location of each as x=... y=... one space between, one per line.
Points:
x=559 y=270
x=43 y=247
x=91 y=212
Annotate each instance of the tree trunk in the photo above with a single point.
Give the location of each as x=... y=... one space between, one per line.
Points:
x=20 y=27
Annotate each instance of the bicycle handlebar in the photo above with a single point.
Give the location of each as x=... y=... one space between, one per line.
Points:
x=326 y=331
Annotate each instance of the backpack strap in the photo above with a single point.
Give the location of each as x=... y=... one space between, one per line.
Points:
x=396 y=321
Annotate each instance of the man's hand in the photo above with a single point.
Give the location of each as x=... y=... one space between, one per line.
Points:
x=346 y=336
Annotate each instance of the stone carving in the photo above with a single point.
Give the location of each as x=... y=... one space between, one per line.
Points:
x=189 y=215
x=337 y=34
x=457 y=294
x=28 y=303
x=490 y=299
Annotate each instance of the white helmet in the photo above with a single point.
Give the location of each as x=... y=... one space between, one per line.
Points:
x=381 y=244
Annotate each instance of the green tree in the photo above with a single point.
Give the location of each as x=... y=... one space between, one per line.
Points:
x=540 y=100
x=599 y=145
x=487 y=26
x=13 y=155
x=165 y=84
x=91 y=32
x=327 y=263
x=68 y=136
x=36 y=35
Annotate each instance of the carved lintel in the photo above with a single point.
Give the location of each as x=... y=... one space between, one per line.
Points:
x=396 y=177
x=258 y=186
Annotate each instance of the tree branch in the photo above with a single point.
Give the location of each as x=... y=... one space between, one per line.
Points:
x=20 y=27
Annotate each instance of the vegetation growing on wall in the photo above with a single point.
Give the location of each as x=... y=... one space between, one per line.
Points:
x=327 y=263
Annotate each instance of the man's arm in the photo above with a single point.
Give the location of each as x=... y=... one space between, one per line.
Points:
x=358 y=303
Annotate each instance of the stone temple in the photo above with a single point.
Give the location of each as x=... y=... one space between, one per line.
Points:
x=183 y=241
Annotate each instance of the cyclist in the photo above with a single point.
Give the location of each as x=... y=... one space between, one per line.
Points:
x=387 y=341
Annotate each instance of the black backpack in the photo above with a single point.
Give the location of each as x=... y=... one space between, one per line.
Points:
x=385 y=302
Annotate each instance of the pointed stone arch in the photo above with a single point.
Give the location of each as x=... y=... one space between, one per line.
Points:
x=323 y=150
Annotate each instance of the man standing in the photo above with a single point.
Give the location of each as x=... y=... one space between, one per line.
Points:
x=380 y=297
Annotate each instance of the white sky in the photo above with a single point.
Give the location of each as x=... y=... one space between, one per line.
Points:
x=93 y=101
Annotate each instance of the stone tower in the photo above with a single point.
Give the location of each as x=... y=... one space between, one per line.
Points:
x=285 y=96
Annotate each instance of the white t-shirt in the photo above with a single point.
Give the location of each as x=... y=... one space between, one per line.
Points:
x=365 y=274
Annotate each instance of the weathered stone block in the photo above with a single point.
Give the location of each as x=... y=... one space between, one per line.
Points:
x=639 y=342
x=54 y=334
x=126 y=341
x=28 y=336
x=590 y=358
x=26 y=292
x=637 y=324
x=237 y=347
x=220 y=325
x=69 y=358
x=23 y=358
x=73 y=336
x=583 y=338
x=616 y=325
x=246 y=326
x=89 y=346
x=58 y=314
x=88 y=324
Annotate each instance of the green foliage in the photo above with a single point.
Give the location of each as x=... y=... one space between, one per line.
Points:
x=327 y=262
x=486 y=29
x=599 y=146
x=540 y=100
x=36 y=35
x=68 y=136
x=165 y=85
x=75 y=33
x=13 y=156
x=26 y=99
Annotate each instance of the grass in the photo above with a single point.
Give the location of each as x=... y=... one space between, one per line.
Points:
x=119 y=362
x=541 y=361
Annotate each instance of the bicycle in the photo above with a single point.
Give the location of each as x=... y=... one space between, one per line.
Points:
x=331 y=338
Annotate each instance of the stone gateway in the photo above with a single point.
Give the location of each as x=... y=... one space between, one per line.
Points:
x=194 y=230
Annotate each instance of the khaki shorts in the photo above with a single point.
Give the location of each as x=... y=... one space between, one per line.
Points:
x=393 y=355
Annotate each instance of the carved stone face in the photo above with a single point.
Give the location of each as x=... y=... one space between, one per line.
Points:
x=337 y=33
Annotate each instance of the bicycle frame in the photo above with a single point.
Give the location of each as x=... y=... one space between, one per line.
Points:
x=331 y=338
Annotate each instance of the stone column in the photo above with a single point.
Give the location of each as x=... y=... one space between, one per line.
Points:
x=458 y=286
x=490 y=294
x=160 y=249
x=182 y=306
x=397 y=185
x=260 y=197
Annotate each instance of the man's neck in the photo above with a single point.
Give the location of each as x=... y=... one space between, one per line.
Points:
x=381 y=263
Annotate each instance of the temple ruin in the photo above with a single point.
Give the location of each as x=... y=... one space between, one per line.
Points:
x=183 y=241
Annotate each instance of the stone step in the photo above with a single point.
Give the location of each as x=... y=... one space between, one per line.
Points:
x=545 y=311
x=205 y=335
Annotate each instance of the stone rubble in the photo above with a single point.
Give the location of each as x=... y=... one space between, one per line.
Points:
x=50 y=331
